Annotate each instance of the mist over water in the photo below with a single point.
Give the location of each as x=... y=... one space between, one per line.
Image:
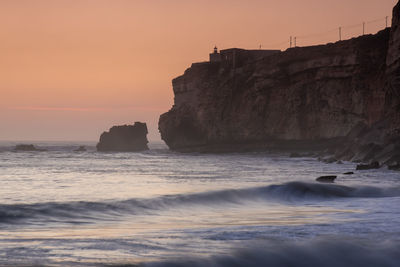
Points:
x=161 y=208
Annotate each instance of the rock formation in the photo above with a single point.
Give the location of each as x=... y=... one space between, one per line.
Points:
x=125 y=138
x=372 y=165
x=380 y=139
x=326 y=179
x=26 y=147
x=340 y=96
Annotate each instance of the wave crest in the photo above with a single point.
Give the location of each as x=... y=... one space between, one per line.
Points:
x=84 y=212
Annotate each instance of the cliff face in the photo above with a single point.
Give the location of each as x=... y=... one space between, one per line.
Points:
x=393 y=75
x=308 y=95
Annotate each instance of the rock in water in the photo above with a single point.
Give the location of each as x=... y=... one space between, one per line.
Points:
x=326 y=179
x=125 y=138
x=373 y=165
x=394 y=167
x=348 y=173
x=25 y=147
x=80 y=149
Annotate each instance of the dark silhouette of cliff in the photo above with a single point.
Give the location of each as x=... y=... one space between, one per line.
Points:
x=340 y=96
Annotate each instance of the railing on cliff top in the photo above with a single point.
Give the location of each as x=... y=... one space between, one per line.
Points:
x=333 y=35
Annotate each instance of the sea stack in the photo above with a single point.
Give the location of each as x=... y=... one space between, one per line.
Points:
x=124 y=138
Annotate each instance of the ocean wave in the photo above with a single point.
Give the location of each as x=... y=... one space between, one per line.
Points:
x=302 y=190
x=326 y=253
x=85 y=212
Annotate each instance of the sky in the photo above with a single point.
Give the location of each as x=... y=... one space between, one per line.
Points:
x=71 y=69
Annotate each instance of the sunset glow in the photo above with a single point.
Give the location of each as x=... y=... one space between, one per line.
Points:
x=221 y=133
x=71 y=69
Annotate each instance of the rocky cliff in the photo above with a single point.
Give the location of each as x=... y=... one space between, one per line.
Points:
x=393 y=74
x=305 y=97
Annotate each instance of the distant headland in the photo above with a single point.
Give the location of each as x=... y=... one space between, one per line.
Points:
x=342 y=97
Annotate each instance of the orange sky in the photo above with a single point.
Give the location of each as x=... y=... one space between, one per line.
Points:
x=71 y=69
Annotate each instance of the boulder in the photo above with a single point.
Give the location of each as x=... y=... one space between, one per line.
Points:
x=326 y=179
x=373 y=165
x=125 y=138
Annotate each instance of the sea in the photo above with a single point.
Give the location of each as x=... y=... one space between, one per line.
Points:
x=163 y=208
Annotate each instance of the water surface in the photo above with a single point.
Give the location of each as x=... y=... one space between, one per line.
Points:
x=162 y=208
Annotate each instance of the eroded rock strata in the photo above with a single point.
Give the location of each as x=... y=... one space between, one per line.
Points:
x=125 y=138
x=341 y=96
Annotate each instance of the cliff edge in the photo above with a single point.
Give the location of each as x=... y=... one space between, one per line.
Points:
x=303 y=98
